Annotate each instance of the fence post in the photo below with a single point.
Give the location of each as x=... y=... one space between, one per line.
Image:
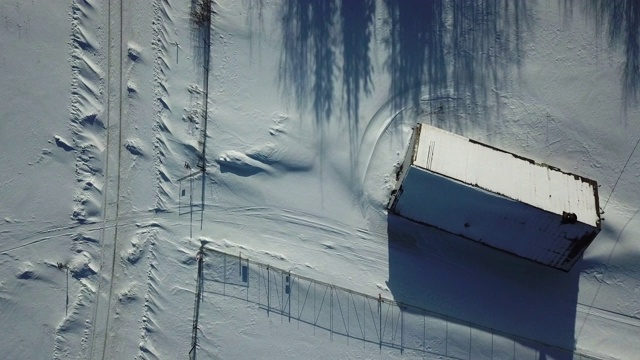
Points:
x=290 y=287
x=401 y=330
x=424 y=333
x=380 y=321
x=446 y=337
x=248 y=277
x=470 y=344
x=331 y=312
x=348 y=320
x=298 y=307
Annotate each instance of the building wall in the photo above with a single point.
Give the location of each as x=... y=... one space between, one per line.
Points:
x=406 y=164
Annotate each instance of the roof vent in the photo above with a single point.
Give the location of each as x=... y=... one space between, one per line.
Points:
x=569 y=218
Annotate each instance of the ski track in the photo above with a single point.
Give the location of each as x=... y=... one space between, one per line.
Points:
x=113 y=161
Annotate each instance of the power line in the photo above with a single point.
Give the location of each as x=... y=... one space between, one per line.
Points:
x=619 y=176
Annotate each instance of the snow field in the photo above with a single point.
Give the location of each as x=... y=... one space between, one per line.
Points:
x=310 y=110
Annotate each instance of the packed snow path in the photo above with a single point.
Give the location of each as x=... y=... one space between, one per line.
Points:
x=111 y=202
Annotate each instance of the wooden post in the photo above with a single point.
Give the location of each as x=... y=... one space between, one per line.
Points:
x=401 y=330
x=290 y=284
x=380 y=321
x=331 y=312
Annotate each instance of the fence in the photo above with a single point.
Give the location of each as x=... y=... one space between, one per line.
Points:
x=360 y=318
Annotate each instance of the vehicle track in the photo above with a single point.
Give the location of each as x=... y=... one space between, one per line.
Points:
x=108 y=236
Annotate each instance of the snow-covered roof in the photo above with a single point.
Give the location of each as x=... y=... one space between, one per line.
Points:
x=507 y=174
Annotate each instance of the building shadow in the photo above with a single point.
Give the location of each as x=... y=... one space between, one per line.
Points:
x=533 y=304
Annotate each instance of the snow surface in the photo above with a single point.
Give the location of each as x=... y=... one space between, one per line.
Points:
x=310 y=108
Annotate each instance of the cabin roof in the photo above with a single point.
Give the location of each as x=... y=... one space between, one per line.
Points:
x=506 y=174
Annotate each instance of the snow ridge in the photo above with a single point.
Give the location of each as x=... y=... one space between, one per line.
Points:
x=86 y=108
x=161 y=94
x=147 y=323
x=88 y=142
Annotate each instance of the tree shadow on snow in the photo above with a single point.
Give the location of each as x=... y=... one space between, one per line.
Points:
x=201 y=12
x=527 y=303
x=442 y=57
x=321 y=41
x=620 y=21
x=356 y=19
x=439 y=51
x=309 y=59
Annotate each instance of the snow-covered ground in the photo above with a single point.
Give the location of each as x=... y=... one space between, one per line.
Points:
x=310 y=109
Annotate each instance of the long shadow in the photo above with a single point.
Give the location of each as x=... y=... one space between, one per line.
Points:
x=620 y=21
x=443 y=50
x=356 y=19
x=201 y=19
x=309 y=60
x=432 y=46
x=200 y=26
x=416 y=49
x=459 y=278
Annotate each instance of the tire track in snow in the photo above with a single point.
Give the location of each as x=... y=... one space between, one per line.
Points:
x=224 y=213
x=134 y=219
x=306 y=233
x=112 y=171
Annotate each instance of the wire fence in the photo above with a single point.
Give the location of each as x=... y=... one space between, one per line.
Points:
x=362 y=319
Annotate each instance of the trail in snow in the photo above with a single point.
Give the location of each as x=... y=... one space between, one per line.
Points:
x=111 y=201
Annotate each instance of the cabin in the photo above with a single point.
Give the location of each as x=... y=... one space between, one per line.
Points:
x=497 y=198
